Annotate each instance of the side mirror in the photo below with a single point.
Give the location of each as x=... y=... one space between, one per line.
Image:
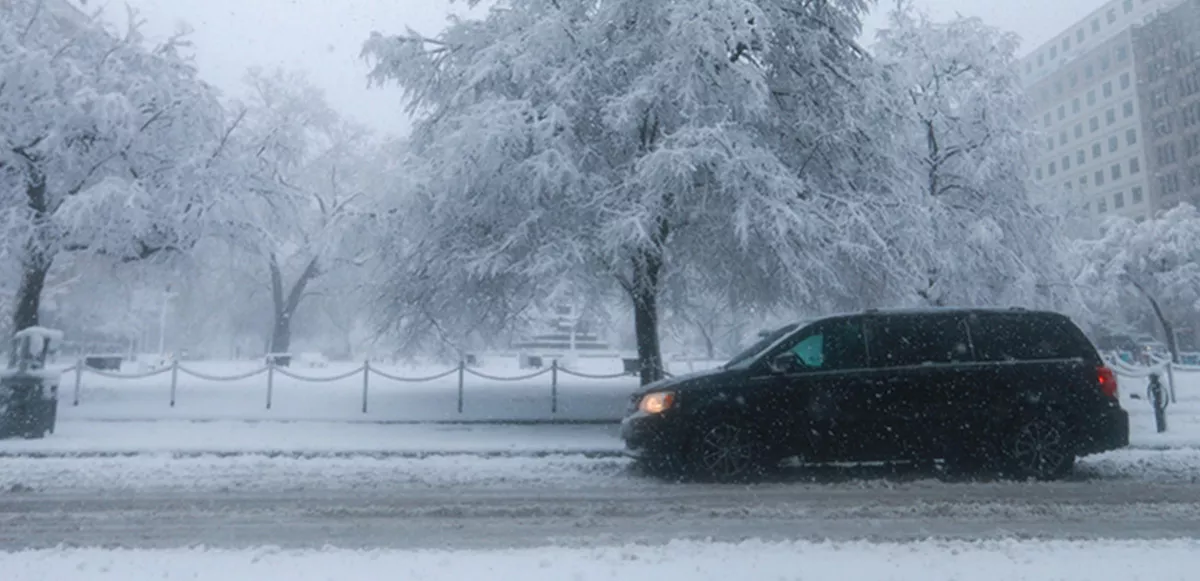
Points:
x=783 y=363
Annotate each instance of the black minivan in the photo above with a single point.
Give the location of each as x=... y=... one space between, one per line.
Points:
x=1021 y=391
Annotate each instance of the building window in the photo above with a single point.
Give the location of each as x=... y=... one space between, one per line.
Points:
x=1098 y=178
x=1094 y=124
x=1029 y=68
x=1062 y=138
x=1052 y=169
x=1169 y=183
x=1053 y=52
x=1075 y=105
x=1062 y=112
x=1166 y=154
x=1162 y=126
x=1088 y=71
x=1115 y=170
x=1067 y=185
x=1066 y=44
x=1119 y=200
x=1091 y=98
x=1194 y=176
x=1112 y=144
x=1131 y=137
x=1079 y=35
x=1127 y=109
x=1105 y=62
x=1112 y=16
x=1135 y=165
x=1136 y=195
x=1038 y=173
x=1110 y=116
x=1096 y=151
x=1050 y=143
x=1158 y=99
x=1128 y=4
x=1040 y=60
x=1126 y=81
x=1066 y=162
x=1078 y=130
x=1080 y=157
x=1046 y=120
x=1191 y=146
x=1095 y=25
x=1101 y=206
x=1108 y=90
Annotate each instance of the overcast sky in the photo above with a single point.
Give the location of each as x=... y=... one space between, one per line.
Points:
x=324 y=37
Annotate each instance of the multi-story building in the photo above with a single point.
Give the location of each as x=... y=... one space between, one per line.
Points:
x=1167 y=52
x=1084 y=86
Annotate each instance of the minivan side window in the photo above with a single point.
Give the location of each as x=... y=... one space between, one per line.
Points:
x=907 y=340
x=1033 y=337
x=831 y=345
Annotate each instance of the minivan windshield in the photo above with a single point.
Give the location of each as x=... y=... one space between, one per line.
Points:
x=760 y=345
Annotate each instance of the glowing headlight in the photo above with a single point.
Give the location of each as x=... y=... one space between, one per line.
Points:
x=657 y=403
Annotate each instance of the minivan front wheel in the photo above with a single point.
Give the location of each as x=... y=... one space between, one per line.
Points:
x=727 y=451
x=1040 y=448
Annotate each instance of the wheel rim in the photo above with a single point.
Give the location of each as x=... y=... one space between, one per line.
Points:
x=726 y=451
x=1038 y=448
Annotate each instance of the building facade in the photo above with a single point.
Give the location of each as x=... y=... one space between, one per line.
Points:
x=1087 y=101
x=1167 y=54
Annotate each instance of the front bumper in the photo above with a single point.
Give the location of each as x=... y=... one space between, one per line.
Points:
x=1105 y=432
x=647 y=435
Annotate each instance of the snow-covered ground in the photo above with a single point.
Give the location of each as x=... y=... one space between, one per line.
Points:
x=1012 y=560
x=167 y=472
x=223 y=437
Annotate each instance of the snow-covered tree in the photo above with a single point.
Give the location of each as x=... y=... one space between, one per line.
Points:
x=976 y=238
x=312 y=167
x=1157 y=260
x=581 y=142
x=107 y=148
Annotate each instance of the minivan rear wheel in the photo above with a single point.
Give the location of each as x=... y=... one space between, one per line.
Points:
x=1040 y=447
x=726 y=451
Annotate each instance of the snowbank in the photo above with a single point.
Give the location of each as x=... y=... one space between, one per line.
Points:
x=1013 y=560
x=316 y=438
x=289 y=472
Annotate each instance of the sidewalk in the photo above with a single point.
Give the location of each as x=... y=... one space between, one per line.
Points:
x=81 y=438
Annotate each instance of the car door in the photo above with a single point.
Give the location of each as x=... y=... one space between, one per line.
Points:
x=823 y=389
x=922 y=371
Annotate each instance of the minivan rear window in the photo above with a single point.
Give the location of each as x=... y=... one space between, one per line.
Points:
x=1029 y=337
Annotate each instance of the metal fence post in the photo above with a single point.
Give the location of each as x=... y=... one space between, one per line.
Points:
x=270 y=380
x=366 y=380
x=174 y=380
x=554 y=387
x=1171 y=380
x=462 y=367
x=78 y=380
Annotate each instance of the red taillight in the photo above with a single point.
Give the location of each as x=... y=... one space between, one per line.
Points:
x=1108 y=381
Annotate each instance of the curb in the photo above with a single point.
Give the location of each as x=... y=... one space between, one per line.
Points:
x=592 y=453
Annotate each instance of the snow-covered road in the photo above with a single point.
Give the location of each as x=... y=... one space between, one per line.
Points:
x=463 y=501
x=474 y=518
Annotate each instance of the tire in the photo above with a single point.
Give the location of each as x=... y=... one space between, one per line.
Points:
x=1040 y=447
x=728 y=452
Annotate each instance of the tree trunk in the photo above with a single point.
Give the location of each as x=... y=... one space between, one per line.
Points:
x=286 y=305
x=29 y=294
x=644 y=292
x=1162 y=320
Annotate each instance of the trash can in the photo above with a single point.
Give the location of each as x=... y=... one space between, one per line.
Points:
x=29 y=391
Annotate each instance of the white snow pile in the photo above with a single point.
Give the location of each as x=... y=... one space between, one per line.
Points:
x=1009 y=560
x=259 y=473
